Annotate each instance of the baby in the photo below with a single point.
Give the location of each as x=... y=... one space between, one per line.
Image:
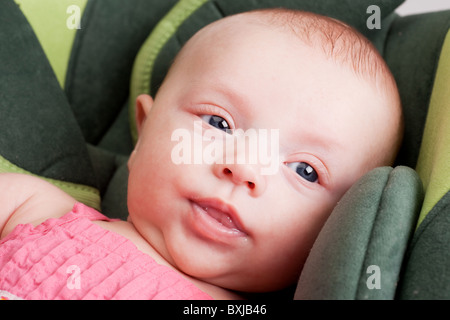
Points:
x=217 y=230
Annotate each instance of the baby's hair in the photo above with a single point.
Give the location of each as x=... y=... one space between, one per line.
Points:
x=337 y=40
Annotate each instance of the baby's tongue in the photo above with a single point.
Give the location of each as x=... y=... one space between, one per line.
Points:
x=221 y=217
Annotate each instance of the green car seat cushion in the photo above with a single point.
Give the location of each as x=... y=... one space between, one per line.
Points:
x=359 y=252
x=39 y=134
x=427 y=271
x=189 y=16
x=427 y=262
x=433 y=164
x=98 y=75
x=140 y=81
x=412 y=53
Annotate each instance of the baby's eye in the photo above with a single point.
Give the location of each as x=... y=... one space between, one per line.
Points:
x=304 y=170
x=217 y=122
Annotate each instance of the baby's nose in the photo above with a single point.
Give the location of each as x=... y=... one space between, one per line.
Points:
x=242 y=174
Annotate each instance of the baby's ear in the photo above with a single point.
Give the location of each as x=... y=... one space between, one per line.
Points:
x=143 y=105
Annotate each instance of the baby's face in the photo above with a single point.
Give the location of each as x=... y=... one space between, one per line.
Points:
x=234 y=224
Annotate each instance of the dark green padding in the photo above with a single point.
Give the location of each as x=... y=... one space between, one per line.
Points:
x=427 y=267
x=427 y=272
x=112 y=178
x=412 y=53
x=370 y=226
x=98 y=76
x=44 y=130
x=38 y=134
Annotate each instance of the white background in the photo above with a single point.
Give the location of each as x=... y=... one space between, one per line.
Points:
x=419 y=6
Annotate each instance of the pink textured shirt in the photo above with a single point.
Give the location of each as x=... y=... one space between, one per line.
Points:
x=73 y=258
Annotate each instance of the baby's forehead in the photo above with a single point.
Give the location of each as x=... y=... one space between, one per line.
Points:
x=220 y=47
x=334 y=39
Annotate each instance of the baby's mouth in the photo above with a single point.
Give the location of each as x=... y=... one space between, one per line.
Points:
x=217 y=219
x=221 y=217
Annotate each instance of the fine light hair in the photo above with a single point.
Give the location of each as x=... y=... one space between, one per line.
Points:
x=337 y=40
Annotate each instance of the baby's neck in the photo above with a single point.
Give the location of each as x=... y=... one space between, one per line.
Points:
x=217 y=293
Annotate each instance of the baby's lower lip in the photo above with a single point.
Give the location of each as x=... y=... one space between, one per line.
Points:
x=213 y=224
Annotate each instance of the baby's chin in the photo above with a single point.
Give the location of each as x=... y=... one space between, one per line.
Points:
x=250 y=283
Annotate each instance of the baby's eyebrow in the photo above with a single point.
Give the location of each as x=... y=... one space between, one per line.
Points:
x=229 y=95
x=323 y=146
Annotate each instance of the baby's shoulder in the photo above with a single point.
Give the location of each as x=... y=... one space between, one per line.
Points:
x=29 y=200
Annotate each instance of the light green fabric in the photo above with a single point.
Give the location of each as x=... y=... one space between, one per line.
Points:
x=141 y=76
x=433 y=164
x=49 y=21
